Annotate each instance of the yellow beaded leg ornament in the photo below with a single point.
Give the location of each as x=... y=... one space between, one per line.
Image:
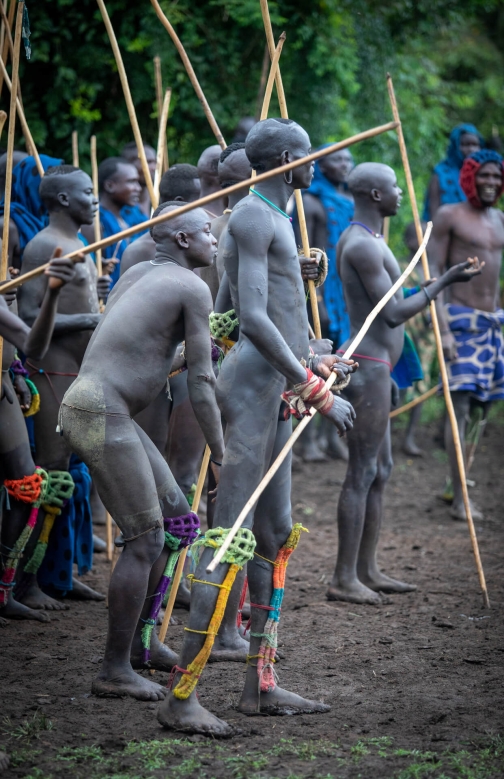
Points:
x=238 y=554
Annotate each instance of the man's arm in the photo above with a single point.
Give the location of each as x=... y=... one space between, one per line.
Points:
x=316 y=221
x=200 y=375
x=31 y=296
x=253 y=235
x=434 y=195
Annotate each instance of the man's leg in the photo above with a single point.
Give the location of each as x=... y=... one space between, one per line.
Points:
x=461 y=405
x=367 y=566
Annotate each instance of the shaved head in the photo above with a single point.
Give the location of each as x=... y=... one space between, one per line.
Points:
x=368 y=176
x=209 y=161
x=189 y=222
x=234 y=165
x=268 y=139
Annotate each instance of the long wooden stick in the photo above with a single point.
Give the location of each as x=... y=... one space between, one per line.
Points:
x=3 y=119
x=192 y=75
x=271 y=78
x=161 y=145
x=297 y=193
x=159 y=100
x=203 y=201
x=129 y=100
x=10 y=153
x=30 y=143
x=408 y=406
x=439 y=346
x=97 y=230
x=180 y=565
x=75 y=149
x=8 y=26
x=306 y=420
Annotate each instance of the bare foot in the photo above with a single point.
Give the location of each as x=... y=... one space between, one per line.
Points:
x=232 y=648
x=353 y=593
x=312 y=453
x=4 y=761
x=190 y=717
x=81 y=591
x=279 y=702
x=381 y=583
x=16 y=610
x=34 y=598
x=127 y=683
x=410 y=447
x=98 y=544
x=162 y=658
x=458 y=512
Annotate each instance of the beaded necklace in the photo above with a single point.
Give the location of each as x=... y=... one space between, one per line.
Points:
x=254 y=192
x=361 y=224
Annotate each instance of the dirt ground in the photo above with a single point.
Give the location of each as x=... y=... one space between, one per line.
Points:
x=415 y=684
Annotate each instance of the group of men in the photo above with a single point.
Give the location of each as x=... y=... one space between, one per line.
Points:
x=205 y=294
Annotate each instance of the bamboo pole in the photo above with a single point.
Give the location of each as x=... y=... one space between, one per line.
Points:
x=262 y=82
x=8 y=39
x=110 y=542
x=3 y=119
x=297 y=193
x=10 y=151
x=96 y=222
x=408 y=406
x=439 y=345
x=159 y=101
x=75 y=149
x=30 y=143
x=161 y=145
x=203 y=201
x=306 y=420
x=180 y=565
x=7 y=26
x=190 y=72
x=127 y=96
x=271 y=77
x=386 y=229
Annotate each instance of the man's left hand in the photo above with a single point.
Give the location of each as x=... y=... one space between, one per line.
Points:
x=324 y=365
x=22 y=391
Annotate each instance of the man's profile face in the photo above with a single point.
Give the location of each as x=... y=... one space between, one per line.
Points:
x=150 y=155
x=391 y=194
x=488 y=180
x=469 y=143
x=124 y=186
x=300 y=146
x=337 y=166
x=202 y=244
x=82 y=203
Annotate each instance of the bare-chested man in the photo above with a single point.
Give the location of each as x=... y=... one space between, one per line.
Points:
x=208 y=165
x=130 y=153
x=262 y=264
x=67 y=193
x=368 y=269
x=16 y=463
x=170 y=305
x=471 y=319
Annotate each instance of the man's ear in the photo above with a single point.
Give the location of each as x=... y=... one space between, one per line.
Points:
x=63 y=199
x=181 y=239
x=376 y=195
x=109 y=186
x=285 y=157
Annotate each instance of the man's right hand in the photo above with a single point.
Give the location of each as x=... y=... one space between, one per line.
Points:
x=61 y=270
x=342 y=415
x=449 y=346
x=463 y=271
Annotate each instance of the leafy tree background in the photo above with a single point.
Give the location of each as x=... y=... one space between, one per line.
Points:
x=444 y=56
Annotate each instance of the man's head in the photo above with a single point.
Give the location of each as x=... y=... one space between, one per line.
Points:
x=243 y=128
x=130 y=153
x=482 y=178
x=187 y=237
x=180 y=182
x=275 y=142
x=68 y=189
x=464 y=140
x=207 y=169
x=337 y=166
x=374 y=183
x=118 y=179
x=234 y=165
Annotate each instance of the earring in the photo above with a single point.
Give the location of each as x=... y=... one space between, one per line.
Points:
x=289 y=175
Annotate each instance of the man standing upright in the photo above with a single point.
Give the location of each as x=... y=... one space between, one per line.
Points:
x=130 y=153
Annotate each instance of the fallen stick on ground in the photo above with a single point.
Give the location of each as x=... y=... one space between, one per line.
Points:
x=439 y=346
x=306 y=421
x=203 y=201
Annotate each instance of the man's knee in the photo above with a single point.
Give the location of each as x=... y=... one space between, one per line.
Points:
x=147 y=547
x=362 y=474
x=271 y=536
x=383 y=470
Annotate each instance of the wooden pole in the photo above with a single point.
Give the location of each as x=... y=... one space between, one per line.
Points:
x=271 y=77
x=75 y=149
x=306 y=420
x=7 y=26
x=30 y=143
x=203 y=201
x=180 y=565
x=3 y=119
x=408 y=406
x=161 y=146
x=110 y=541
x=439 y=346
x=386 y=229
x=10 y=152
x=192 y=75
x=97 y=231
x=8 y=38
x=297 y=193
x=262 y=82
x=159 y=100
x=127 y=96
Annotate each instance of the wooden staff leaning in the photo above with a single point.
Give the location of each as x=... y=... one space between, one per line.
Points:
x=439 y=347
x=75 y=149
x=7 y=26
x=161 y=144
x=203 y=201
x=30 y=143
x=158 y=81
x=297 y=193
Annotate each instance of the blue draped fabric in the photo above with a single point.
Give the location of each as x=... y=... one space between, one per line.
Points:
x=448 y=170
x=71 y=539
x=110 y=225
x=27 y=210
x=339 y=210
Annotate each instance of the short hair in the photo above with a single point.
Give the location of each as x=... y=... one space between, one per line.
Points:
x=229 y=150
x=367 y=176
x=178 y=182
x=161 y=207
x=267 y=139
x=130 y=150
x=108 y=168
x=50 y=185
